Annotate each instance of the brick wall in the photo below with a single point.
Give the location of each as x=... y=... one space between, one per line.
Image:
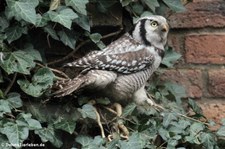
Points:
x=199 y=35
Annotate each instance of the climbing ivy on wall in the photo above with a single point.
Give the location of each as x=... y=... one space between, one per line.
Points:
x=29 y=115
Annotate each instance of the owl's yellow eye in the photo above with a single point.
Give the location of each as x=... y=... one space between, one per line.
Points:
x=154 y=24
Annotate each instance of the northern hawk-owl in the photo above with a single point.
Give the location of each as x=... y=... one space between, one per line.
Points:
x=121 y=70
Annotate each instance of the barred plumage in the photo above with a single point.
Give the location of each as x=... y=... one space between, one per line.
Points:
x=123 y=67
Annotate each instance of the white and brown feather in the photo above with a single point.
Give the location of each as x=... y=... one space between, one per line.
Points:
x=123 y=67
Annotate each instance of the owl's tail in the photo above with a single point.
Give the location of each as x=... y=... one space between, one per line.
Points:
x=66 y=87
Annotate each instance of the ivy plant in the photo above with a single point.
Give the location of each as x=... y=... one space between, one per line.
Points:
x=37 y=36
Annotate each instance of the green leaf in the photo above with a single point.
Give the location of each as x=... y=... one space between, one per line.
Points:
x=134 y=142
x=177 y=90
x=31 y=123
x=83 y=21
x=42 y=80
x=170 y=57
x=3 y=23
x=175 y=5
x=85 y=141
x=164 y=134
x=125 y=2
x=96 y=38
x=168 y=118
x=66 y=125
x=14 y=100
x=195 y=128
x=18 y=61
x=4 y=107
x=48 y=29
x=42 y=20
x=15 y=32
x=88 y=111
x=129 y=109
x=68 y=38
x=208 y=140
x=28 y=48
x=78 y=5
x=15 y=133
x=23 y=9
x=152 y=4
x=194 y=106
x=48 y=134
x=221 y=131
x=4 y=142
x=63 y=16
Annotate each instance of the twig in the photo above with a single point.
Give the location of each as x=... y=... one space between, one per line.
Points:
x=55 y=70
x=11 y=84
x=79 y=46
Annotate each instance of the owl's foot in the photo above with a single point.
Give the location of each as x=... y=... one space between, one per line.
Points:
x=118 y=126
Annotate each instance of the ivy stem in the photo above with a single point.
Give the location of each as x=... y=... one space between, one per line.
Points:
x=11 y=84
x=79 y=46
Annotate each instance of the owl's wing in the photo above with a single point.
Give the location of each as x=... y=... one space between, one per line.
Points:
x=126 y=62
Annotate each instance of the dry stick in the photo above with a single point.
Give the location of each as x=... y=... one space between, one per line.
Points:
x=11 y=84
x=79 y=46
x=55 y=70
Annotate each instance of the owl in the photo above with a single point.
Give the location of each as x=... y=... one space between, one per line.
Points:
x=121 y=70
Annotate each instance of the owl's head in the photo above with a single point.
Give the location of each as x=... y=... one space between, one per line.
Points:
x=151 y=30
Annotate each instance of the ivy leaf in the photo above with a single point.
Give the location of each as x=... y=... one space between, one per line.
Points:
x=78 y=5
x=48 y=134
x=178 y=91
x=68 y=38
x=152 y=4
x=170 y=58
x=168 y=118
x=14 y=100
x=125 y=2
x=83 y=22
x=85 y=141
x=15 y=32
x=175 y=5
x=42 y=80
x=208 y=140
x=194 y=106
x=42 y=20
x=66 y=125
x=15 y=133
x=31 y=123
x=48 y=29
x=88 y=111
x=4 y=107
x=134 y=142
x=221 y=131
x=129 y=109
x=3 y=23
x=22 y=9
x=18 y=61
x=96 y=38
x=63 y=16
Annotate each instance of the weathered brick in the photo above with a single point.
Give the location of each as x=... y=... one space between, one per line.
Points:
x=199 y=15
x=191 y=79
x=205 y=48
x=213 y=109
x=216 y=85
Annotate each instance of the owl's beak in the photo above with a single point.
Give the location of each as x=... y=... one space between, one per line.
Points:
x=165 y=28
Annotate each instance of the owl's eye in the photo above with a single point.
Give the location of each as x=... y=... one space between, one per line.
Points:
x=154 y=24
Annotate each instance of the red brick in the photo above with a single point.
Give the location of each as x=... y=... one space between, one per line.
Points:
x=213 y=109
x=216 y=86
x=205 y=49
x=191 y=79
x=199 y=15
